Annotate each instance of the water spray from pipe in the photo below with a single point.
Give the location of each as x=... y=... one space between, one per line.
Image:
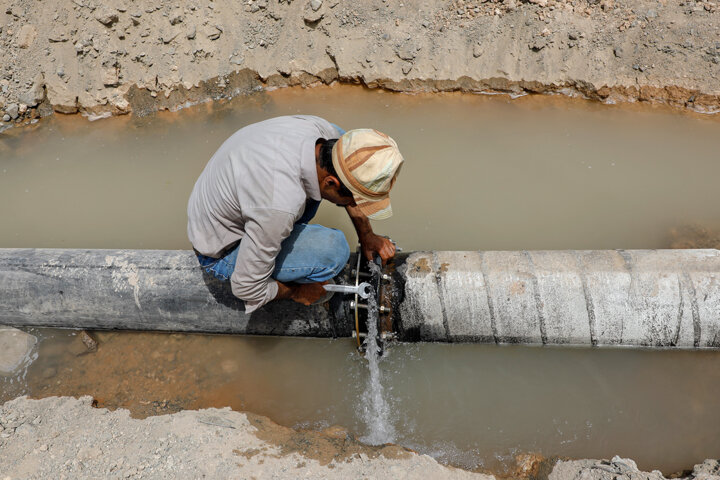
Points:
x=375 y=408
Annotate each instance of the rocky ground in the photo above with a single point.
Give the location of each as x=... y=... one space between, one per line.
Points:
x=100 y=57
x=64 y=437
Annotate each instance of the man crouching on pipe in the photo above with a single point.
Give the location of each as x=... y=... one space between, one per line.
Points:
x=248 y=213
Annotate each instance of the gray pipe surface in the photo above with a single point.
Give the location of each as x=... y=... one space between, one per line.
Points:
x=632 y=297
x=655 y=298
x=138 y=290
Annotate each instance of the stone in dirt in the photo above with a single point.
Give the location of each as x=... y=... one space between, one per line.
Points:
x=106 y=16
x=36 y=93
x=615 y=469
x=83 y=344
x=110 y=77
x=607 y=5
x=407 y=51
x=538 y=44
x=62 y=100
x=214 y=32
x=90 y=343
x=15 y=348
x=312 y=13
x=13 y=110
x=527 y=465
x=169 y=36
x=26 y=36
x=708 y=470
x=57 y=37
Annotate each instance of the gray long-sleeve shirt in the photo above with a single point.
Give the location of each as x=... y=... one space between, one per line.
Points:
x=253 y=189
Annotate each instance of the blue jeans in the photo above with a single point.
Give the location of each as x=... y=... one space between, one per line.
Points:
x=312 y=253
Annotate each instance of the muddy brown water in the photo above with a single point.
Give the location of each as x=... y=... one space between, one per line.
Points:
x=467 y=405
x=483 y=172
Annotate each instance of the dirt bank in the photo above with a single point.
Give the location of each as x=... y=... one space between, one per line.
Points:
x=100 y=58
x=64 y=437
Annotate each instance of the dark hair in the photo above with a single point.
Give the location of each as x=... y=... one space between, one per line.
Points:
x=325 y=162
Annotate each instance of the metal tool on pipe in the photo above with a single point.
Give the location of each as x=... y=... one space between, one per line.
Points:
x=364 y=290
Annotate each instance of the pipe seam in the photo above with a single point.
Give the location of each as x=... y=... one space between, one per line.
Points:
x=588 y=299
x=538 y=300
x=491 y=308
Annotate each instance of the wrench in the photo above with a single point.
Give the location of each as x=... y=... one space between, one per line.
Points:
x=363 y=290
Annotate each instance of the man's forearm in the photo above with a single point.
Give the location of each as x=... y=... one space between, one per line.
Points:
x=360 y=222
x=370 y=243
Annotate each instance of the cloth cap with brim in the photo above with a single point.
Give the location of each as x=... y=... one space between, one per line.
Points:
x=368 y=162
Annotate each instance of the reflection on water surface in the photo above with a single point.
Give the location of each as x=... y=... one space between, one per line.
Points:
x=482 y=173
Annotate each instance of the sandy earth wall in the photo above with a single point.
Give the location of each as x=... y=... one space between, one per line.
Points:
x=100 y=57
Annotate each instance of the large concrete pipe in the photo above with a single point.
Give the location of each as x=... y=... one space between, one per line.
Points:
x=137 y=290
x=603 y=297
x=631 y=297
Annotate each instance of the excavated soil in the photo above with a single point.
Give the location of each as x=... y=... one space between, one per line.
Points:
x=64 y=437
x=101 y=58
x=68 y=438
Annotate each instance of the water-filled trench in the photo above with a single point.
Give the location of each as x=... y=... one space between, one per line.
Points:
x=483 y=173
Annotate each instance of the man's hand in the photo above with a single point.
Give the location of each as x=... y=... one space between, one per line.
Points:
x=372 y=244
x=308 y=293
x=305 y=293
